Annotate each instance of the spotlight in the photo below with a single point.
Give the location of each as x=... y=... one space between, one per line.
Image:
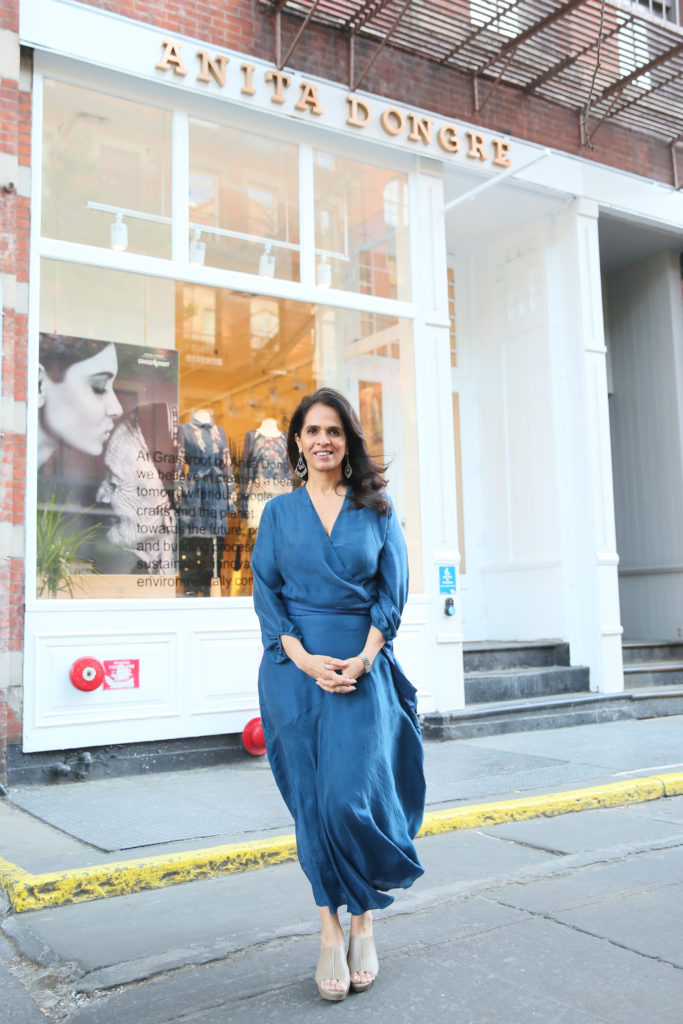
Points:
x=324 y=273
x=118 y=234
x=266 y=264
x=197 y=250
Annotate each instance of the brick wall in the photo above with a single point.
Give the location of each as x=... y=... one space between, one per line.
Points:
x=14 y=236
x=248 y=26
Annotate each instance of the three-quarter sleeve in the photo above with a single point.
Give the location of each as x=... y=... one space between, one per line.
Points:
x=392 y=580
x=268 y=582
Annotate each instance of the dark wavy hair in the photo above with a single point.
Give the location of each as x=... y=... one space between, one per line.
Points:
x=367 y=482
x=60 y=351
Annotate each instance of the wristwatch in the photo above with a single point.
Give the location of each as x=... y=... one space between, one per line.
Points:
x=366 y=661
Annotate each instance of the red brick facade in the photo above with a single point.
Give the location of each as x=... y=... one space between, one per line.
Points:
x=14 y=239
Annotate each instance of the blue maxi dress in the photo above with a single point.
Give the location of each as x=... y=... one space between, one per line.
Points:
x=349 y=766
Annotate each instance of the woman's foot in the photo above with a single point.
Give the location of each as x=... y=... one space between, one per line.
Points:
x=332 y=973
x=362 y=955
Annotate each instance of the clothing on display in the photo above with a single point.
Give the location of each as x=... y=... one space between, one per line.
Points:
x=205 y=496
x=205 y=491
x=265 y=470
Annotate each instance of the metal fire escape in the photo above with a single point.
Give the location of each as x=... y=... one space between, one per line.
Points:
x=609 y=60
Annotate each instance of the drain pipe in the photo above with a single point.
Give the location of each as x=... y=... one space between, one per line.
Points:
x=468 y=196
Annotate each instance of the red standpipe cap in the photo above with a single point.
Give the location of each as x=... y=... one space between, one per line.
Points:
x=253 y=739
x=86 y=674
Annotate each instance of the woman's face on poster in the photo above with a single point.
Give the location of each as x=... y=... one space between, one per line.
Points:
x=81 y=409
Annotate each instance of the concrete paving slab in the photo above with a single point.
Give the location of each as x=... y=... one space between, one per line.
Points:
x=495 y=969
x=661 y=810
x=131 y=813
x=597 y=882
x=653 y=745
x=572 y=833
x=21 y=835
x=650 y=924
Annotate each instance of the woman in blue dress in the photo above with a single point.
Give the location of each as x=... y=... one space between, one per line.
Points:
x=339 y=717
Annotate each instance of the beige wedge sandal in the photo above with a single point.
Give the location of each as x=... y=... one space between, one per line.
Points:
x=332 y=964
x=362 y=957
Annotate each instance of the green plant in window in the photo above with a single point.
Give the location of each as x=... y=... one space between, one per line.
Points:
x=59 y=539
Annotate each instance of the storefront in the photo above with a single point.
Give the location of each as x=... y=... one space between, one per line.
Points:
x=210 y=240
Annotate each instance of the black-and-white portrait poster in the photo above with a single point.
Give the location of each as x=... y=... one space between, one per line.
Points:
x=107 y=441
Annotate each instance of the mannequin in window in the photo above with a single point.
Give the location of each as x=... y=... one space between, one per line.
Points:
x=205 y=495
x=265 y=470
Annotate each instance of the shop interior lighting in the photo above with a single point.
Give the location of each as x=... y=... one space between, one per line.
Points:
x=197 y=250
x=266 y=264
x=118 y=234
x=324 y=273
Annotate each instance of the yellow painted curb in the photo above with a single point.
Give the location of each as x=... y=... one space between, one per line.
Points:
x=77 y=885
x=673 y=784
x=547 y=805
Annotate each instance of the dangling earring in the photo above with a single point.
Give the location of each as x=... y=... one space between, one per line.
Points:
x=301 y=469
x=347 y=468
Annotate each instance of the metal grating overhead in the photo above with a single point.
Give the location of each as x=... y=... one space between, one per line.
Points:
x=625 y=57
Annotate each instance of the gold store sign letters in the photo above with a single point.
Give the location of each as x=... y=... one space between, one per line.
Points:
x=394 y=122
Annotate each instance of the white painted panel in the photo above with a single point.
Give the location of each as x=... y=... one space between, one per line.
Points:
x=224 y=669
x=520 y=543
x=526 y=604
x=59 y=714
x=412 y=651
x=532 y=478
x=61 y=700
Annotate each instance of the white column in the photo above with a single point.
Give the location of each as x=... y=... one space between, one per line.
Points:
x=591 y=560
x=438 y=506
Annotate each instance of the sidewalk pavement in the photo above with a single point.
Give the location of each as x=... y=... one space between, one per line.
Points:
x=76 y=842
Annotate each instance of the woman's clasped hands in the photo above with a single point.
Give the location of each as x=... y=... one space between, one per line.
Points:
x=333 y=674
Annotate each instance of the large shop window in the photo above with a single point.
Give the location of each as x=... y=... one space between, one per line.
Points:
x=163 y=410
x=106 y=171
x=244 y=200
x=163 y=405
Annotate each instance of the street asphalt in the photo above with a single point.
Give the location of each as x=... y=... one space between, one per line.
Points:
x=567 y=917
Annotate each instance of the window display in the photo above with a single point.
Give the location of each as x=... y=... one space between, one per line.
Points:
x=166 y=456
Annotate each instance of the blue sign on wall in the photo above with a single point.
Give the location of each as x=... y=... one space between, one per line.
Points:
x=447 y=579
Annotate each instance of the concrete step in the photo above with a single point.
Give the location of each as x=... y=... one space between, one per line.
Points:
x=651 y=674
x=552 y=713
x=638 y=651
x=491 y=656
x=486 y=687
